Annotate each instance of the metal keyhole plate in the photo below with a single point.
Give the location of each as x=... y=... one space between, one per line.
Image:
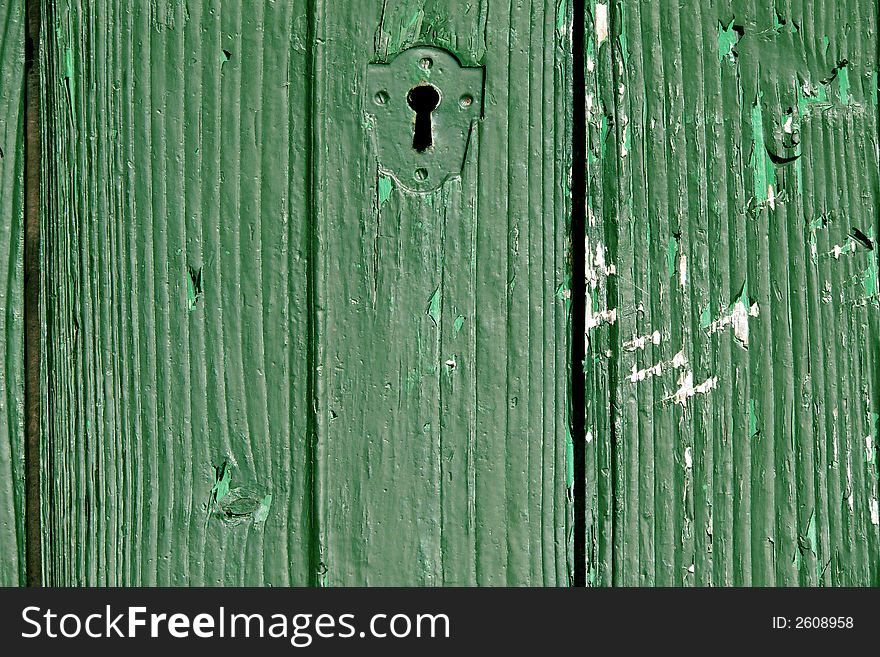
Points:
x=423 y=105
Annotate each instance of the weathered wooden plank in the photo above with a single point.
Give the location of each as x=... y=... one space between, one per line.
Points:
x=442 y=338
x=176 y=187
x=12 y=533
x=733 y=308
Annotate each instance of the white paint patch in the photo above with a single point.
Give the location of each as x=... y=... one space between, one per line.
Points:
x=601 y=317
x=589 y=436
x=688 y=458
x=739 y=319
x=869 y=449
x=841 y=249
x=601 y=24
x=687 y=389
x=875 y=511
x=679 y=360
x=596 y=266
x=788 y=126
x=849 y=483
x=647 y=373
x=683 y=271
x=640 y=342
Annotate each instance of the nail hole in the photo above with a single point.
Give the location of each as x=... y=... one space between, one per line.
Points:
x=426 y=63
x=466 y=100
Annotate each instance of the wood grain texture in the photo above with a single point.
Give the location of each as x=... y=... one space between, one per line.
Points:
x=175 y=210
x=230 y=139
x=12 y=532
x=442 y=352
x=732 y=378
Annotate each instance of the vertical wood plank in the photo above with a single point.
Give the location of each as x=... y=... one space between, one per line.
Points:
x=733 y=313
x=12 y=531
x=442 y=439
x=175 y=192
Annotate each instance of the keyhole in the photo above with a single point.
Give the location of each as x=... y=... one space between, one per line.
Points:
x=423 y=99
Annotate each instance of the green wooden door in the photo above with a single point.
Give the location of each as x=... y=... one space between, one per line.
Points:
x=732 y=316
x=266 y=361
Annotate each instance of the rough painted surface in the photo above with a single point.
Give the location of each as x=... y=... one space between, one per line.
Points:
x=11 y=299
x=442 y=358
x=732 y=314
x=175 y=211
x=266 y=363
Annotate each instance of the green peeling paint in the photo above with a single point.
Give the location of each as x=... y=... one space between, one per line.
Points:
x=262 y=511
x=843 y=85
x=705 y=318
x=869 y=279
x=762 y=167
x=456 y=326
x=433 y=310
x=727 y=39
x=671 y=252
x=560 y=19
x=193 y=287
x=811 y=534
x=220 y=489
x=780 y=25
x=383 y=187
x=808 y=99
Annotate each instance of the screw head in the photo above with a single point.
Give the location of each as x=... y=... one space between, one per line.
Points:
x=465 y=101
x=421 y=175
x=381 y=97
x=426 y=63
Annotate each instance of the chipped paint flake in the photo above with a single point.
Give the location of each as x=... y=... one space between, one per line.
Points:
x=597 y=267
x=601 y=21
x=262 y=511
x=727 y=39
x=679 y=360
x=433 y=309
x=738 y=318
x=383 y=189
x=640 y=375
x=875 y=511
x=687 y=389
x=842 y=249
x=602 y=317
x=688 y=458
x=640 y=342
